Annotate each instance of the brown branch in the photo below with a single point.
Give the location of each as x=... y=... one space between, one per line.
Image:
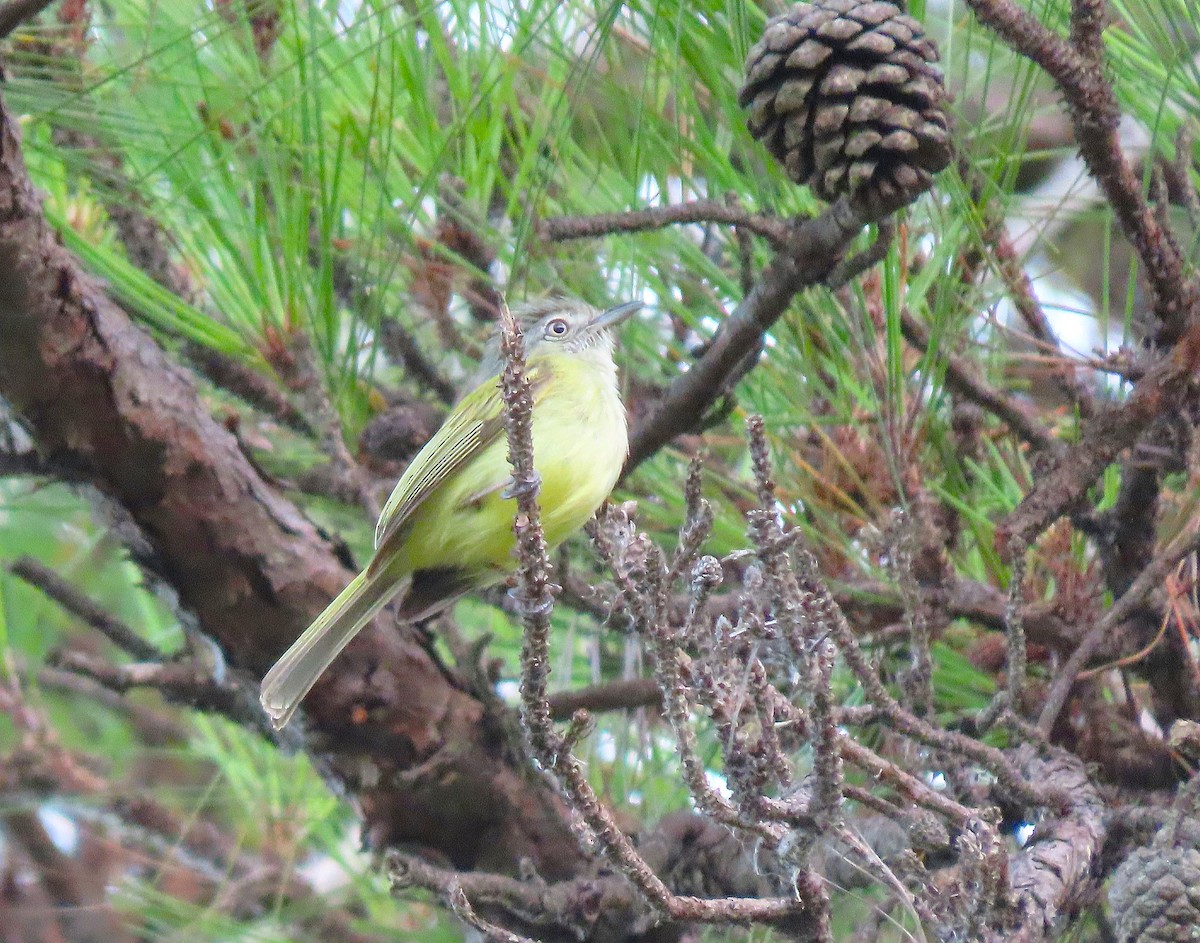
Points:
x=401 y=346
x=247 y=384
x=612 y=696
x=903 y=722
x=153 y=727
x=814 y=248
x=562 y=228
x=1150 y=579
x=963 y=377
x=16 y=12
x=179 y=682
x=1095 y=115
x=1024 y=299
x=76 y=603
x=1165 y=385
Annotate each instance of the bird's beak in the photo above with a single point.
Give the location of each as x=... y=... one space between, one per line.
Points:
x=614 y=316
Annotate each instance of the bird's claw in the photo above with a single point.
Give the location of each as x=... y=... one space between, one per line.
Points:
x=524 y=488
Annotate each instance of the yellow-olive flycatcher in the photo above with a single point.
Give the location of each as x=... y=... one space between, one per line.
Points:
x=447 y=529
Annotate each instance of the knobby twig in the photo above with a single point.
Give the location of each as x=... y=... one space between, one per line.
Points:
x=534 y=595
x=407 y=871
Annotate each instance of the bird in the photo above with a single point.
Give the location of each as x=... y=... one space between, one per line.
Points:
x=447 y=528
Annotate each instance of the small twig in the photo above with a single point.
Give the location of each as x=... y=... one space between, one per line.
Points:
x=534 y=596
x=563 y=228
x=400 y=345
x=155 y=727
x=813 y=249
x=611 y=696
x=964 y=379
x=1151 y=578
x=304 y=375
x=849 y=269
x=76 y=603
x=1179 y=172
x=179 y=682
x=903 y=782
x=918 y=679
x=230 y=374
x=408 y=871
x=1017 y=660
x=1060 y=489
x=1095 y=114
x=995 y=239
x=745 y=249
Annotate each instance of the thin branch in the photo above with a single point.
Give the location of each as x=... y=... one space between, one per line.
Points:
x=303 y=374
x=813 y=249
x=903 y=722
x=402 y=346
x=246 y=383
x=408 y=871
x=1150 y=579
x=1164 y=386
x=76 y=603
x=996 y=241
x=180 y=682
x=1095 y=115
x=963 y=377
x=612 y=696
x=849 y=269
x=563 y=228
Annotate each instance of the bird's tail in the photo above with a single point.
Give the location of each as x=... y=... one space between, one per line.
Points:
x=297 y=671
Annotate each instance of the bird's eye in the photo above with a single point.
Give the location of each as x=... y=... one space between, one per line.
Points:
x=557 y=327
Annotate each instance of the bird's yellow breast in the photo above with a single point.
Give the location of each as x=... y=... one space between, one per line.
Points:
x=579 y=445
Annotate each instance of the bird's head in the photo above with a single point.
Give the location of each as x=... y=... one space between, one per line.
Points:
x=569 y=325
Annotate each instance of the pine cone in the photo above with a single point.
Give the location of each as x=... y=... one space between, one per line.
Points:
x=1155 y=895
x=843 y=93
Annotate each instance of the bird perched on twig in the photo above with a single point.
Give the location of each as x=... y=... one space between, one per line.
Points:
x=447 y=528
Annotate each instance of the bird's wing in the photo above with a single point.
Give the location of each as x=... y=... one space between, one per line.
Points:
x=476 y=422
